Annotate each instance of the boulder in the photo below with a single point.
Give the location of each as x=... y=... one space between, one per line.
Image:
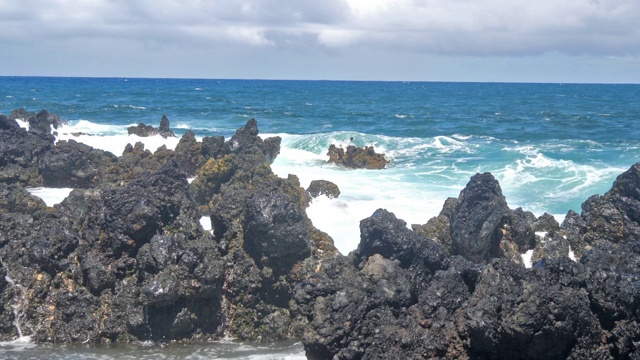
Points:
x=164 y=129
x=323 y=187
x=142 y=130
x=475 y=217
x=357 y=157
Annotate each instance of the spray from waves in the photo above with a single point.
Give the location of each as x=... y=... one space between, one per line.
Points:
x=414 y=195
x=130 y=107
x=545 y=184
x=112 y=138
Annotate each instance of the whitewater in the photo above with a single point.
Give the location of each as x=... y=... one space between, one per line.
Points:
x=550 y=146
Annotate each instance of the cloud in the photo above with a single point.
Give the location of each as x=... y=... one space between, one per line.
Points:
x=442 y=27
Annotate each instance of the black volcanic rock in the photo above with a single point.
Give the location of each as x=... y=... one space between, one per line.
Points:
x=323 y=187
x=478 y=212
x=21 y=152
x=126 y=258
x=612 y=217
x=438 y=306
x=144 y=130
x=438 y=228
x=76 y=165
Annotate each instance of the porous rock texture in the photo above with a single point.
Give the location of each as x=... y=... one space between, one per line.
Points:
x=356 y=157
x=401 y=295
x=127 y=259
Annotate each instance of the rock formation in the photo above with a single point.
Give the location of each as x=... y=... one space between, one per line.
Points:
x=356 y=157
x=124 y=258
x=143 y=130
x=323 y=187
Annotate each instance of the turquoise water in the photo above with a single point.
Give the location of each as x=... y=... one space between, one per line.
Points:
x=551 y=146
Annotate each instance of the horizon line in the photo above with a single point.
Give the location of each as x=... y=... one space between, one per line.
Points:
x=320 y=80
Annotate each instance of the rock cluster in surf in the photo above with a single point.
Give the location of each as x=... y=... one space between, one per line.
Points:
x=124 y=258
x=144 y=130
x=356 y=157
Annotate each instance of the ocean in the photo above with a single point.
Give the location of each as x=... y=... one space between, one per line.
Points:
x=550 y=146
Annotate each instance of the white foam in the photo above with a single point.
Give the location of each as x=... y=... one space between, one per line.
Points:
x=205 y=221
x=22 y=342
x=23 y=124
x=112 y=138
x=51 y=196
x=526 y=258
x=362 y=192
x=572 y=255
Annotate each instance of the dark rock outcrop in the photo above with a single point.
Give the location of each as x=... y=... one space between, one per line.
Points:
x=127 y=259
x=72 y=164
x=143 y=130
x=323 y=187
x=391 y=298
x=22 y=151
x=477 y=214
x=116 y=264
x=612 y=217
x=438 y=228
x=356 y=157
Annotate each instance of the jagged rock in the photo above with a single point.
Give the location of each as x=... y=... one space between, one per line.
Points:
x=545 y=223
x=15 y=199
x=164 y=130
x=21 y=151
x=188 y=154
x=457 y=309
x=244 y=153
x=356 y=157
x=323 y=187
x=515 y=234
x=75 y=165
x=612 y=217
x=438 y=228
x=478 y=212
x=142 y=130
x=551 y=246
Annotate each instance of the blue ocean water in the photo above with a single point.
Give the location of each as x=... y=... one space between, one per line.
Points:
x=551 y=146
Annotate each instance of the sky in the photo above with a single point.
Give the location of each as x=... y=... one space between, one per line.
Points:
x=562 y=41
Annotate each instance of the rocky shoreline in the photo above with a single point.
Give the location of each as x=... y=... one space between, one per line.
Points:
x=124 y=258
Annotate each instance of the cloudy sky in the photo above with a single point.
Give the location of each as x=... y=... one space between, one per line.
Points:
x=431 y=40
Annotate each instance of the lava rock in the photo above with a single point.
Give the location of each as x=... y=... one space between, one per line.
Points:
x=357 y=157
x=323 y=187
x=478 y=212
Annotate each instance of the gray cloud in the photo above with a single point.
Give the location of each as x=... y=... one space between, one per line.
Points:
x=481 y=27
x=344 y=39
